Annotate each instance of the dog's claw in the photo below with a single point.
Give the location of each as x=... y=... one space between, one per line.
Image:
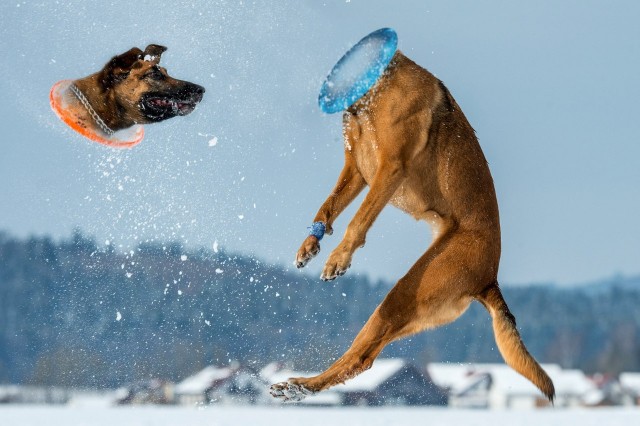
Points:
x=333 y=276
x=309 y=249
x=327 y=278
x=335 y=267
x=289 y=392
x=302 y=262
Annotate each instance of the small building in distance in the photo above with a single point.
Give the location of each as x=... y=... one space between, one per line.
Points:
x=392 y=381
x=194 y=389
x=630 y=384
x=231 y=385
x=387 y=382
x=153 y=391
x=498 y=386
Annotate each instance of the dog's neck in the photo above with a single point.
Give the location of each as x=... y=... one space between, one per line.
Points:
x=103 y=104
x=89 y=109
x=363 y=105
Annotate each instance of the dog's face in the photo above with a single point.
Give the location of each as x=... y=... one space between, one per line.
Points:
x=143 y=91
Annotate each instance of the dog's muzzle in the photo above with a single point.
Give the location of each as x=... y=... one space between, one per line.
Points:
x=161 y=106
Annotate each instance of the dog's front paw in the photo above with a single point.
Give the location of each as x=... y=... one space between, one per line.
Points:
x=289 y=392
x=337 y=264
x=308 y=250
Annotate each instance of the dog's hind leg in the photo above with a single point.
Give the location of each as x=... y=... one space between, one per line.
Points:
x=509 y=342
x=432 y=293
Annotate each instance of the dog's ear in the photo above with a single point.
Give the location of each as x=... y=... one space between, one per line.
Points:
x=118 y=68
x=153 y=52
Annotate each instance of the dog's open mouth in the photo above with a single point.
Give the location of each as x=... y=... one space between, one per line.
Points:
x=163 y=107
x=160 y=105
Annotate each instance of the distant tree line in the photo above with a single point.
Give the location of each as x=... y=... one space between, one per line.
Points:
x=74 y=313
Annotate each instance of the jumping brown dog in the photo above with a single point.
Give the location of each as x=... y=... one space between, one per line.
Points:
x=133 y=89
x=408 y=140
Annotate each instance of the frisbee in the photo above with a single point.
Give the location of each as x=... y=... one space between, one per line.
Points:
x=64 y=103
x=358 y=70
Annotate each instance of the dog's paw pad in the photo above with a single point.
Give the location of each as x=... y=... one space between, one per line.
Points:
x=331 y=272
x=289 y=392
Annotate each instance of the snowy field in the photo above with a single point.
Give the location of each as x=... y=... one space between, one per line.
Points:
x=233 y=416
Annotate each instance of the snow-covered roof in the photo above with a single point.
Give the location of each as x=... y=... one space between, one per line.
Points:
x=269 y=370
x=630 y=381
x=571 y=382
x=505 y=379
x=380 y=371
x=451 y=376
x=203 y=379
x=275 y=373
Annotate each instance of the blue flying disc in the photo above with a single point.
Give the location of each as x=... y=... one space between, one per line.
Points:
x=358 y=70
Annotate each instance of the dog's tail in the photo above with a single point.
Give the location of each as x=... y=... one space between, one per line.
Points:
x=510 y=344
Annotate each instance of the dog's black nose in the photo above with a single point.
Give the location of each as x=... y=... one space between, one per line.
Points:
x=197 y=89
x=191 y=91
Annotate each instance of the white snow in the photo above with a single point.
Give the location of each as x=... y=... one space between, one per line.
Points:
x=29 y=415
x=118 y=316
x=213 y=141
x=183 y=257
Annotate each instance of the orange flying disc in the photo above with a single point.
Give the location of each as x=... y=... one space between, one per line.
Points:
x=61 y=99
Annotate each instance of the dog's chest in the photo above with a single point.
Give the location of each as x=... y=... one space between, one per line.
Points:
x=361 y=141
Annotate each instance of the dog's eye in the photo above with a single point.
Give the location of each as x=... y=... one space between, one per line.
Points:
x=154 y=74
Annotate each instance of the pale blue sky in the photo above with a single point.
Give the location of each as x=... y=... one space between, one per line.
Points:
x=551 y=88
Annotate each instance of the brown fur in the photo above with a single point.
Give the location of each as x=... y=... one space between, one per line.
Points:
x=408 y=140
x=117 y=92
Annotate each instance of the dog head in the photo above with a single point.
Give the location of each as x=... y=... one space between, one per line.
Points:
x=142 y=91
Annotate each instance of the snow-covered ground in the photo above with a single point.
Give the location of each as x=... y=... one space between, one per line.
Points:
x=222 y=416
